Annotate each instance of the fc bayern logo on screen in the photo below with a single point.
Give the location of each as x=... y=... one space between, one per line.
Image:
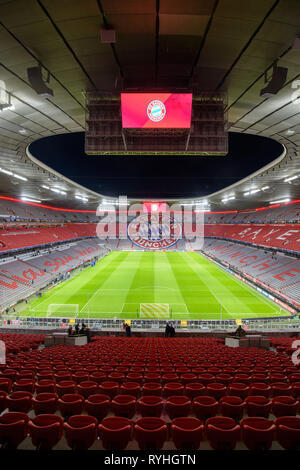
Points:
x=156 y=110
x=154 y=232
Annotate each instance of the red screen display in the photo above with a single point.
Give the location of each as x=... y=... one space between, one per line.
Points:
x=156 y=110
x=149 y=206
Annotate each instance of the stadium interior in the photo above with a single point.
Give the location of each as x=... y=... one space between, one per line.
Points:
x=149 y=323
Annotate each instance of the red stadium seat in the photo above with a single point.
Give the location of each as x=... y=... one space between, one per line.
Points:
x=109 y=388
x=45 y=386
x=258 y=406
x=152 y=389
x=245 y=369
x=206 y=378
x=169 y=377
x=173 y=388
x=259 y=377
x=130 y=388
x=3 y=396
x=258 y=433
x=87 y=388
x=222 y=433
x=45 y=374
x=24 y=385
x=9 y=374
x=188 y=378
x=124 y=405
x=281 y=389
x=45 y=403
x=205 y=407
x=150 y=406
x=150 y=433
x=284 y=406
x=294 y=377
x=97 y=405
x=135 y=377
x=177 y=406
x=13 y=429
x=237 y=389
x=194 y=389
x=152 y=377
x=19 y=401
x=5 y=384
x=233 y=407
x=70 y=404
x=216 y=390
x=65 y=386
x=288 y=432
x=123 y=369
x=81 y=431
x=115 y=433
x=229 y=370
x=277 y=377
x=295 y=389
x=107 y=369
x=80 y=377
x=223 y=378
x=116 y=377
x=187 y=433
x=98 y=377
x=261 y=389
x=182 y=370
x=62 y=376
x=242 y=378
x=46 y=431
x=214 y=370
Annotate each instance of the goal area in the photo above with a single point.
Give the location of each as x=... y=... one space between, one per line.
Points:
x=63 y=310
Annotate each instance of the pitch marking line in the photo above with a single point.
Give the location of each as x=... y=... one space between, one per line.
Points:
x=179 y=303
x=190 y=264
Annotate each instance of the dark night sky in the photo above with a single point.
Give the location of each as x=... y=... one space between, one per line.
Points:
x=155 y=177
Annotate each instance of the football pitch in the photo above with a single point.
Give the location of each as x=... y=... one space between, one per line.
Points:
x=130 y=285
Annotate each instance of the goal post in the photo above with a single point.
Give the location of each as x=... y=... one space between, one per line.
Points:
x=63 y=310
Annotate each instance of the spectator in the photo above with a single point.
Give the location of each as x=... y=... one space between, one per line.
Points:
x=167 y=330
x=239 y=332
x=172 y=331
x=77 y=328
x=87 y=332
x=128 y=330
x=70 y=330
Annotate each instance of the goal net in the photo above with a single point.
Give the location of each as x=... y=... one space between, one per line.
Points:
x=154 y=310
x=63 y=310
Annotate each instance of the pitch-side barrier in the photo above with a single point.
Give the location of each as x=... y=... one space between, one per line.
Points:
x=288 y=324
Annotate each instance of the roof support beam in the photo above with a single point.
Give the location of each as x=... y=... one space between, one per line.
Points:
x=248 y=43
x=66 y=43
x=113 y=48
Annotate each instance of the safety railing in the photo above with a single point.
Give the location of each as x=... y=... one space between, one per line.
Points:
x=290 y=324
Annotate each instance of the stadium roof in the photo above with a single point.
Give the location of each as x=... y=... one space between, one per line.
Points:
x=213 y=44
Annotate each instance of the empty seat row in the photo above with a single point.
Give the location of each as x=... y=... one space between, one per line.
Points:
x=89 y=387
x=151 y=433
x=99 y=405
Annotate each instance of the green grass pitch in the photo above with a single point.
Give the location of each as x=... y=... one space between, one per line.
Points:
x=193 y=286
